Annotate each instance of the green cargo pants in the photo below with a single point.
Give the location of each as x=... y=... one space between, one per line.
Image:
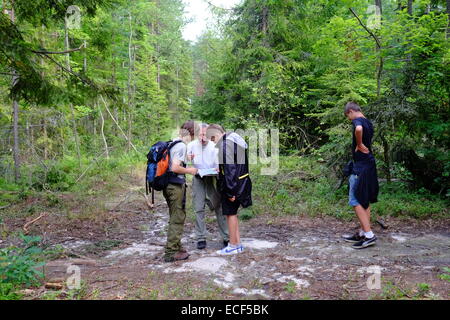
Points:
x=175 y=197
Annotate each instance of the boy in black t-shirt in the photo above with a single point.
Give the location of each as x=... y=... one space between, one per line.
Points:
x=363 y=181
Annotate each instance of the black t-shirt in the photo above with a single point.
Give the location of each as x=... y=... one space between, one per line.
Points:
x=366 y=138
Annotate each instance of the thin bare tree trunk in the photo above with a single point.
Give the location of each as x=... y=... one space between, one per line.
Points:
x=103 y=132
x=16 y=149
x=85 y=58
x=15 y=109
x=379 y=6
x=379 y=71
x=158 y=50
x=448 y=17
x=410 y=7
x=265 y=25
x=129 y=84
x=386 y=148
x=117 y=124
x=74 y=125
x=44 y=133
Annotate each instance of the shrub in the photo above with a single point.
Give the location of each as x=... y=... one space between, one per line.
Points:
x=18 y=265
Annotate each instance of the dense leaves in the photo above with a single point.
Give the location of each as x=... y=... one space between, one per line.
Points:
x=111 y=84
x=294 y=64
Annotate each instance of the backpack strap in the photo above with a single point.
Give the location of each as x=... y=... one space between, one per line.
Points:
x=224 y=149
x=224 y=141
x=172 y=144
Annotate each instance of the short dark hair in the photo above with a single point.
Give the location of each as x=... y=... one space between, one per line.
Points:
x=188 y=128
x=352 y=106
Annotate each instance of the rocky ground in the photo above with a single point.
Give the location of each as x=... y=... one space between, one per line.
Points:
x=285 y=258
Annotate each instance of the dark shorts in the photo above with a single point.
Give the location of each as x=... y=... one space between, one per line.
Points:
x=229 y=208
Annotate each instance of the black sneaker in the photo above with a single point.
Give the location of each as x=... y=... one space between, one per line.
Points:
x=201 y=245
x=225 y=243
x=365 y=242
x=353 y=239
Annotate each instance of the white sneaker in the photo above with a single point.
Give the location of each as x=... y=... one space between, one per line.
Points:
x=230 y=250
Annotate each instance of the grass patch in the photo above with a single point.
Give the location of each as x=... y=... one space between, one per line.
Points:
x=446 y=275
x=421 y=291
x=304 y=185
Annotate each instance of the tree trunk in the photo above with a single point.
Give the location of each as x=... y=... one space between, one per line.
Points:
x=410 y=7
x=380 y=65
x=158 y=50
x=379 y=71
x=448 y=18
x=85 y=58
x=44 y=133
x=130 y=84
x=265 y=25
x=379 y=6
x=117 y=124
x=387 y=158
x=103 y=132
x=16 y=149
x=15 y=109
x=74 y=124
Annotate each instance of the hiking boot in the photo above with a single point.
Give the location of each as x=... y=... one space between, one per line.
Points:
x=228 y=250
x=177 y=256
x=353 y=239
x=365 y=242
x=201 y=245
x=225 y=243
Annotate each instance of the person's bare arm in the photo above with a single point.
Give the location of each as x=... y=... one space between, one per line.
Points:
x=359 y=144
x=178 y=169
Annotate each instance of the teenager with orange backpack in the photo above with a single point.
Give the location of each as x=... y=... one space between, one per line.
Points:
x=166 y=170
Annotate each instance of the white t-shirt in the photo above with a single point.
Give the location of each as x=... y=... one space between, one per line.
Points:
x=205 y=157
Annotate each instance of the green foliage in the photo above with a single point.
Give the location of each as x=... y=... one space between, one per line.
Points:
x=9 y=292
x=135 y=58
x=393 y=292
x=302 y=187
x=294 y=64
x=423 y=289
x=446 y=275
x=246 y=214
x=291 y=287
x=19 y=265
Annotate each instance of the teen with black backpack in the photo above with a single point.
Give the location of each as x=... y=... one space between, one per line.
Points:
x=234 y=181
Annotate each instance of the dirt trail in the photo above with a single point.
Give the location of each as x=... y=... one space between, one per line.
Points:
x=284 y=258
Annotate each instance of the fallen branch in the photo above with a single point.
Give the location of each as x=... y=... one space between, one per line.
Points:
x=82 y=79
x=59 y=52
x=92 y=162
x=25 y=227
x=4 y=207
x=125 y=210
x=121 y=202
x=54 y=285
x=117 y=124
x=367 y=29
x=149 y=204
x=110 y=287
x=382 y=223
